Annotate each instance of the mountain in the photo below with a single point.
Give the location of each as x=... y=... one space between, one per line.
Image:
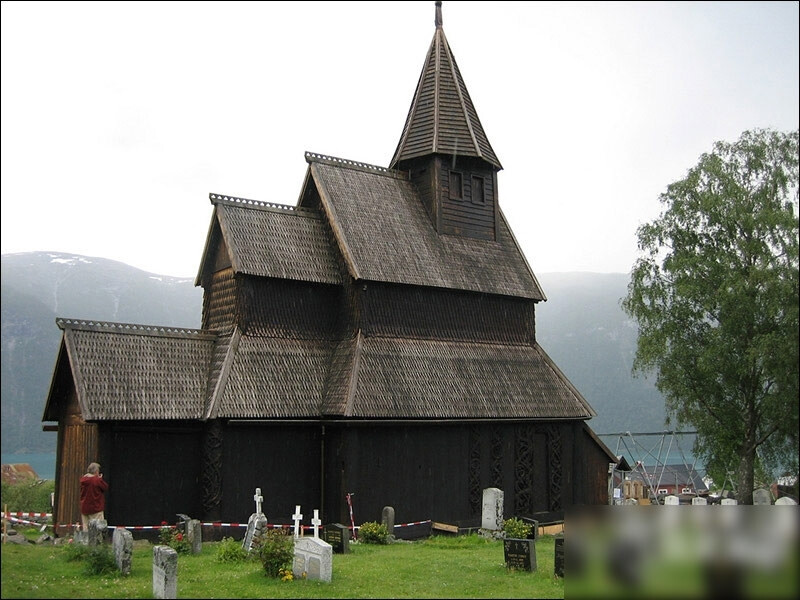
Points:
x=581 y=326
x=585 y=331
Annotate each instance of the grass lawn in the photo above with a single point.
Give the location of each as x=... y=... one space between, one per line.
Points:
x=436 y=567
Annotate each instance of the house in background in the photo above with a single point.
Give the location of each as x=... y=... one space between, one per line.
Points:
x=666 y=479
x=376 y=339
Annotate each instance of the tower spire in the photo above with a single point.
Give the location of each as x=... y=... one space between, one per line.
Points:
x=438 y=20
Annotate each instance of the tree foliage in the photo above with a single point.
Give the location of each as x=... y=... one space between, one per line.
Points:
x=715 y=295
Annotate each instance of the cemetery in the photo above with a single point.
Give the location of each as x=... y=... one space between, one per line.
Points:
x=321 y=553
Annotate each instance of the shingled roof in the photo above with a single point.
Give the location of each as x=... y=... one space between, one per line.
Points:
x=124 y=371
x=391 y=377
x=385 y=235
x=271 y=240
x=442 y=118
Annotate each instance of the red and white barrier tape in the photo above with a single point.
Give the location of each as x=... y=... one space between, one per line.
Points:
x=28 y=514
x=269 y=525
x=16 y=520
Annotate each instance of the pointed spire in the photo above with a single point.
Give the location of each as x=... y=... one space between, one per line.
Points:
x=442 y=118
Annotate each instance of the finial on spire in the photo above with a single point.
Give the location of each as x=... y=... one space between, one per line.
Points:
x=438 y=20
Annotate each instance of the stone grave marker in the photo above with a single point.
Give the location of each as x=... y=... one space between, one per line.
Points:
x=558 y=566
x=338 y=536
x=492 y=512
x=534 y=534
x=729 y=502
x=785 y=501
x=671 y=500
x=313 y=558
x=97 y=532
x=762 y=497
x=256 y=524
x=165 y=572
x=194 y=535
x=520 y=554
x=699 y=501
x=387 y=518
x=122 y=546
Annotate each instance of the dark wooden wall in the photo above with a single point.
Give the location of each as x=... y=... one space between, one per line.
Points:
x=428 y=313
x=280 y=458
x=467 y=215
x=152 y=469
x=438 y=471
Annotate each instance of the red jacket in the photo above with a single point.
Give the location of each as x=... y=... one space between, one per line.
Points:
x=93 y=489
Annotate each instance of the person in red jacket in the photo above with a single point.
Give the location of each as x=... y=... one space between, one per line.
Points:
x=93 y=495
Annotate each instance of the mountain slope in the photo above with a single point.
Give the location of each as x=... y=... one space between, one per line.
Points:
x=585 y=331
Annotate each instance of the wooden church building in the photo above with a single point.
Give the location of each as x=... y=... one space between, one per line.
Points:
x=377 y=339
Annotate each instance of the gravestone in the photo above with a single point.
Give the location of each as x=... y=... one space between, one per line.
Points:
x=297 y=517
x=534 y=534
x=699 y=501
x=165 y=572
x=762 y=497
x=256 y=524
x=387 y=518
x=492 y=513
x=313 y=559
x=785 y=501
x=671 y=501
x=729 y=502
x=520 y=554
x=194 y=535
x=97 y=532
x=338 y=536
x=122 y=545
x=558 y=565
x=316 y=522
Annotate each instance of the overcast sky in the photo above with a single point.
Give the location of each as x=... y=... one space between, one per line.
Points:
x=119 y=119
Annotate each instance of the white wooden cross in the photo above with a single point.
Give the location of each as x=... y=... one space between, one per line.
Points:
x=258 y=498
x=297 y=516
x=317 y=522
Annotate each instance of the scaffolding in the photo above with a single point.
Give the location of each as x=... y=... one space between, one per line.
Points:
x=650 y=461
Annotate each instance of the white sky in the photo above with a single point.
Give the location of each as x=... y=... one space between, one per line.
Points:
x=118 y=119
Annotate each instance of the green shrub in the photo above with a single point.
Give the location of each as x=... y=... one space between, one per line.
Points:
x=170 y=536
x=275 y=549
x=229 y=550
x=372 y=532
x=31 y=495
x=99 y=561
x=517 y=528
x=75 y=551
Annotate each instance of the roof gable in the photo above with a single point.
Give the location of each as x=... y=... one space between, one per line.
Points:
x=124 y=371
x=270 y=240
x=384 y=234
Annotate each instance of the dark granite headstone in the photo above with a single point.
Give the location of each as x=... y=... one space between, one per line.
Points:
x=559 y=557
x=520 y=554
x=338 y=536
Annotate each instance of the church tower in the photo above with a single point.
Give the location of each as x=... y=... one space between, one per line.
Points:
x=445 y=149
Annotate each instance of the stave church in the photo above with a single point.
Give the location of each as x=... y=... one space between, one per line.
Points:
x=377 y=339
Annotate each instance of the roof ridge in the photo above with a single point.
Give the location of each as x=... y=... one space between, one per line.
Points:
x=132 y=328
x=262 y=205
x=355 y=165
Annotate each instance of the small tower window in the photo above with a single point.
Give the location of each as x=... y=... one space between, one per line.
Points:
x=478 y=193
x=456 y=186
